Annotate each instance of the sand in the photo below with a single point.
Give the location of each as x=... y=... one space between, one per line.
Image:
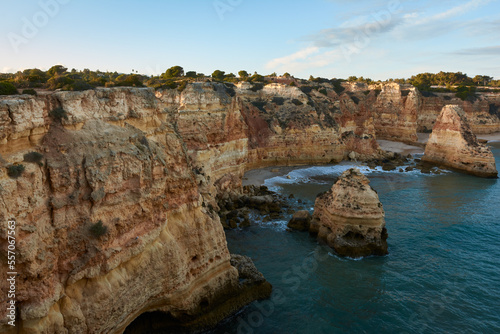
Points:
x=257 y=177
x=398 y=147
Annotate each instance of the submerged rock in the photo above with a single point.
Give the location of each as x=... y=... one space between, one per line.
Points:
x=453 y=144
x=350 y=218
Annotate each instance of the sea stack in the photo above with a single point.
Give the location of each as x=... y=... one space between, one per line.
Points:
x=350 y=218
x=453 y=144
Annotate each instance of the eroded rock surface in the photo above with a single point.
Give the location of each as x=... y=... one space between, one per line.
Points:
x=453 y=144
x=350 y=218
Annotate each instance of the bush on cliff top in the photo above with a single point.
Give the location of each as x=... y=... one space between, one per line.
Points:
x=98 y=229
x=30 y=92
x=58 y=114
x=15 y=171
x=33 y=157
x=6 y=88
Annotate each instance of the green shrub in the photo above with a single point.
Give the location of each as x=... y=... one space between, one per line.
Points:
x=6 y=88
x=256 y=87
x=466 y=93
x=98 y=229
x=260 y=104
x=306 y=89
x=30 y=92
x=293 y=84
x=323 y=91
x=78 y=85
x=33 y=157
x=182 y=86
x=58 y=114
x=297 y=102
x=15 y=171
x=278 y=100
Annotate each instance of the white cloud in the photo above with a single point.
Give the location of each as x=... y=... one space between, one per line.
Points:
x=299 y=55
x=454 y=11
x=9 y=70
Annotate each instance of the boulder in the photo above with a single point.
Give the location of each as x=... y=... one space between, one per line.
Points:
x=453 y=145
x=350 y=218
x=300 y=220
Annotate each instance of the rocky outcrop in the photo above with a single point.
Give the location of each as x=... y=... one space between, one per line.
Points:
x=251 y=284
x=162 y=250
x=395 y=112
x=152 y=166
x=483 y=112
x=453 y=144
x=148 y=166
x=301 y=220
x=350 y=218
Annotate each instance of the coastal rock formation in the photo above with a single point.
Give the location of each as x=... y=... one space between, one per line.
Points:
x=453 y=144
x=350 y=218
x=120 y=215
x=152 y=167
x=252 y=284
x=301 y=220
x=395 y=114
x=161 y=249
x=483 y=112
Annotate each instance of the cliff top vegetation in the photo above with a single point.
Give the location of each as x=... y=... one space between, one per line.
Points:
x=59 y=77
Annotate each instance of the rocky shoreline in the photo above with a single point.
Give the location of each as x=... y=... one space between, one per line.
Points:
x=157 y=171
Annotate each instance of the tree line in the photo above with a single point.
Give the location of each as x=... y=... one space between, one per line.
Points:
x=59 y=77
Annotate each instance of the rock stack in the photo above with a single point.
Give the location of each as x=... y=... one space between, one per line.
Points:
x=452 y=144
x=350 y=218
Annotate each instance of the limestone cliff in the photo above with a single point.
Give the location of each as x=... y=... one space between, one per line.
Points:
x=147 y=165
x=483 y=112
x=350 y=218
x=453 y=144
x=395 y=114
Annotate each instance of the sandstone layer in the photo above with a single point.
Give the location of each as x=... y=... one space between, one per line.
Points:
x=149 y=166
x=350 y=218
x=152 y=166
x=453 y=144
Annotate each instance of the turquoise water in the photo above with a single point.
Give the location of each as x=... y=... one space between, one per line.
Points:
x=442 y=274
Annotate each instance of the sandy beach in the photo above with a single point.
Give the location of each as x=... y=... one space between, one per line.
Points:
x=398 y=147
x=257 y=177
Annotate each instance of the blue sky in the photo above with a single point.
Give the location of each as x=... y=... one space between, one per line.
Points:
x=327 y=38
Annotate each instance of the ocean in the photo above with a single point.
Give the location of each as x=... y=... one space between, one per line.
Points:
x=442 y=274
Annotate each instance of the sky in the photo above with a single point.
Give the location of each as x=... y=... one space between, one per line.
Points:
x=326 y=38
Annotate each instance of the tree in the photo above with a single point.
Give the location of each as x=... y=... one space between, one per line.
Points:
x=173 y=72
x=287 y=75
x=56 y=70
x=256 y=77
x=482 y=80
x=352 y=78
x=191 y=74
x=243 y=74
x=218 y=75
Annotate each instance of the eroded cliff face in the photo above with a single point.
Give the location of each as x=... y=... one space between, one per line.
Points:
x=395 y=112
x=453 y=144
x=483 y=112
x=148 y=165
x=350 y=218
